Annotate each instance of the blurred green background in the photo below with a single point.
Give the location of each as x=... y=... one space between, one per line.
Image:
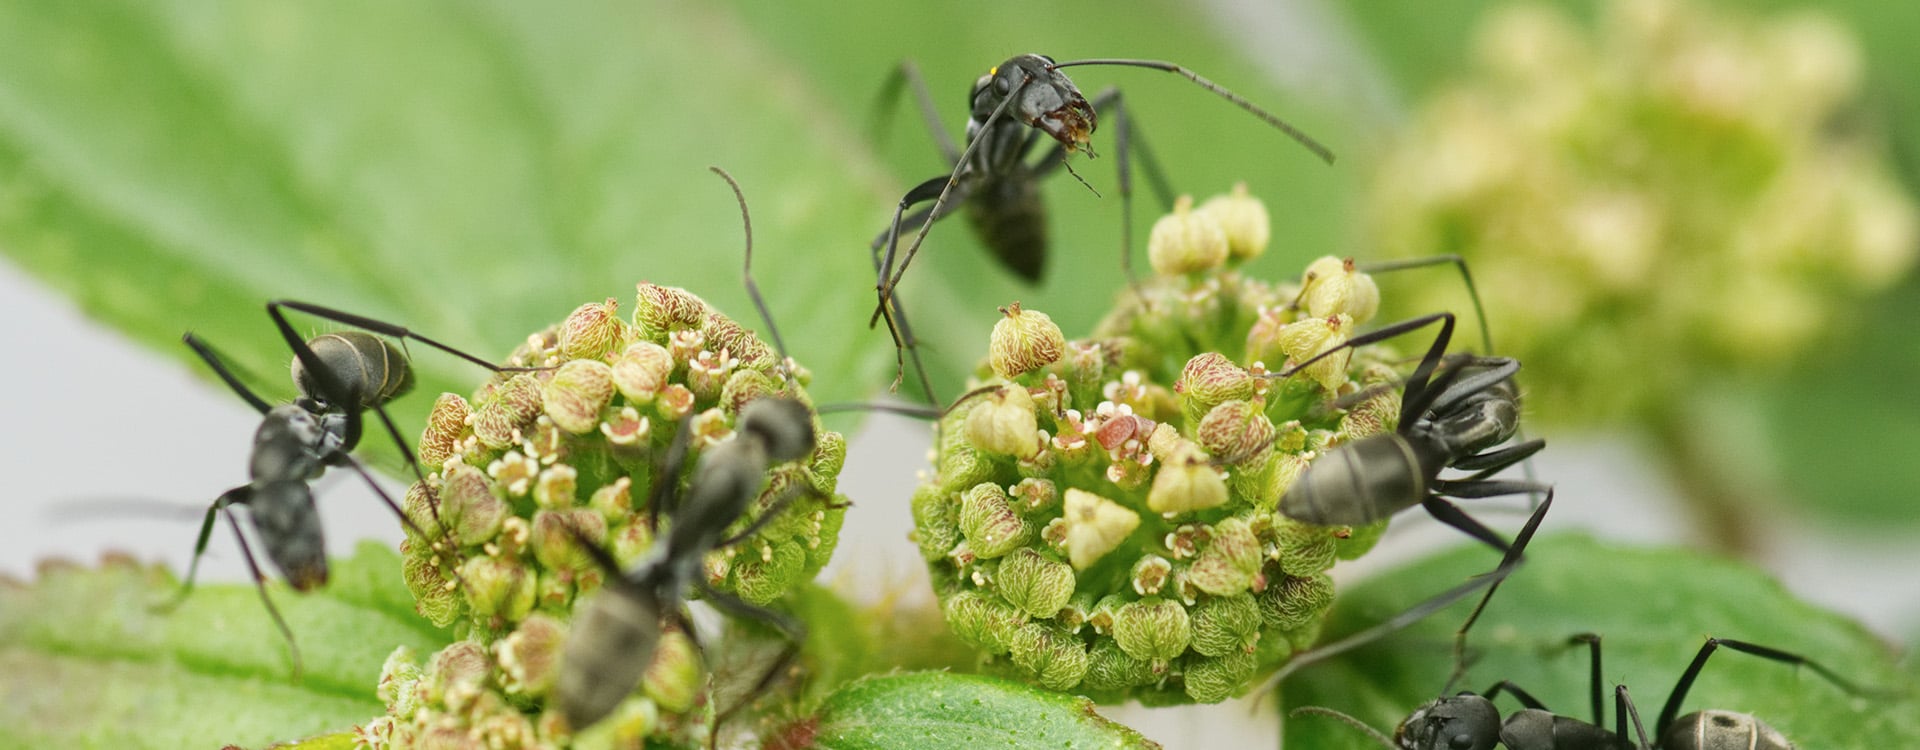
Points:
x=476 y=170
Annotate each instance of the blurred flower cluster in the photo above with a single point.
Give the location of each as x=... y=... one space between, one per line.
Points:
x=541 y=461
x=1681 y=193
x=1103 y=517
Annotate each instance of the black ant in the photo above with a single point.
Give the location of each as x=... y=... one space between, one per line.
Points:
x=1454 y=411
x=1470 y=721
x=615 y=635
x=340 y=375
x=1010 y=108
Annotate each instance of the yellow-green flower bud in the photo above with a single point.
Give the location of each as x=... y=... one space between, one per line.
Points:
x=1153 y=629
x=1055 y=657
x=468 y=506
x=762 y=578
x=577 y=393
x=1038 y=586
x=556 y=537
x=530 y=655
x=1094 y=526
x=1004 y=423
x=1244 y=220
x=500 y=589
x=1216 y=678
x=1236 y=431
x=1110 y=668
x=1186 y=482
x=505 y=408
x=662 y=310
x=1333 y=286
x=1024 y=341
x=1228 y=563
x=739 y=344
x=593 y=330
x=614 y=502
x=936 y=522
x=1291 y=602
x=1302 y=549
x=1208 y=380
x=989 y=522
x=675 y=677
x=445 y=424
x=1226 y=624
x=983 y=620
x=434 y=597
x=461 y=663
x=398 y=675
x=1186 y=241
x=1307 y=338
x=641 y=370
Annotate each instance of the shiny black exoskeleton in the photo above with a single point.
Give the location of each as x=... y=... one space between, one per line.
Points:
x=1012 y=109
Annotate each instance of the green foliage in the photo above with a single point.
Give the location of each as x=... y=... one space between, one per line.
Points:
x=84 y=662
x=941 y=709
x=1652 y=608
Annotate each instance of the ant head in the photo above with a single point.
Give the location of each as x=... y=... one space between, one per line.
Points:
x=366 y=369
x=1462 y=722
x=1048 y=101
x=783 y=425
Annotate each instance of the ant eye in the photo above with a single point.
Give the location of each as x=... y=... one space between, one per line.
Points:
x=1460 y=742
x=1001 y=86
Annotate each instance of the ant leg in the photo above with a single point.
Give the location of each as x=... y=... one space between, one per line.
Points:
x=1466 y=276
x=237 y=495
x=1680 y=689
x=1490 y=580
x=1126 y=140
x=890 y=307
x=1292 y=132
x=774 y=509
x=1624 y=709
x=1515 y=555
x=907 y=75
x=1451 y=515
x=1493 y=462
x=260 y=584
x=1418 y=397
x=665 y=496
x=1505 y=686
x=795 y=632
x=1594 y=689
x=219 y=366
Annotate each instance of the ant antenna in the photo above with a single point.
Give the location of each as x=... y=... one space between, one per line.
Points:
x=746 y=272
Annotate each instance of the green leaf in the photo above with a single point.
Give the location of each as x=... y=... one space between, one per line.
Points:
x=472 y=171
x=85 y=662
x=1653 y=609
x=942 y=709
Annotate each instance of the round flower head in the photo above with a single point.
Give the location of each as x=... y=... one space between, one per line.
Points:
x=540 y=464
x=1104 y=521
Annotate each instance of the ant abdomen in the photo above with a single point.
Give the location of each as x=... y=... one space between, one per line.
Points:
x=371 y=368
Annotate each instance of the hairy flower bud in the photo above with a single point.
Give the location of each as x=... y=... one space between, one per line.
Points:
x=662 y=310
x=441 y=439
x=983 y=620
x=1186 y=241
x=1153 y=629
x=1208 y=380
x=593 y=330
x=989 y=522
x=577 y=393
x=1024 y=341
x=641 y=370
x=1054 y=656
x=1293 y=602
x=1228 y=563
x=1109 y=667
x=1217 y=678
x=674 y=679
x=1226 y=624
x=505 y=408
x=530 y=656
x=1302 y=340
x=468 y=506
x=1038 y=586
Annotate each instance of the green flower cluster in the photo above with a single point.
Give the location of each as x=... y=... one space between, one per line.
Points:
x=1103 y=516
x=538 y=459
x=1674 y=196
